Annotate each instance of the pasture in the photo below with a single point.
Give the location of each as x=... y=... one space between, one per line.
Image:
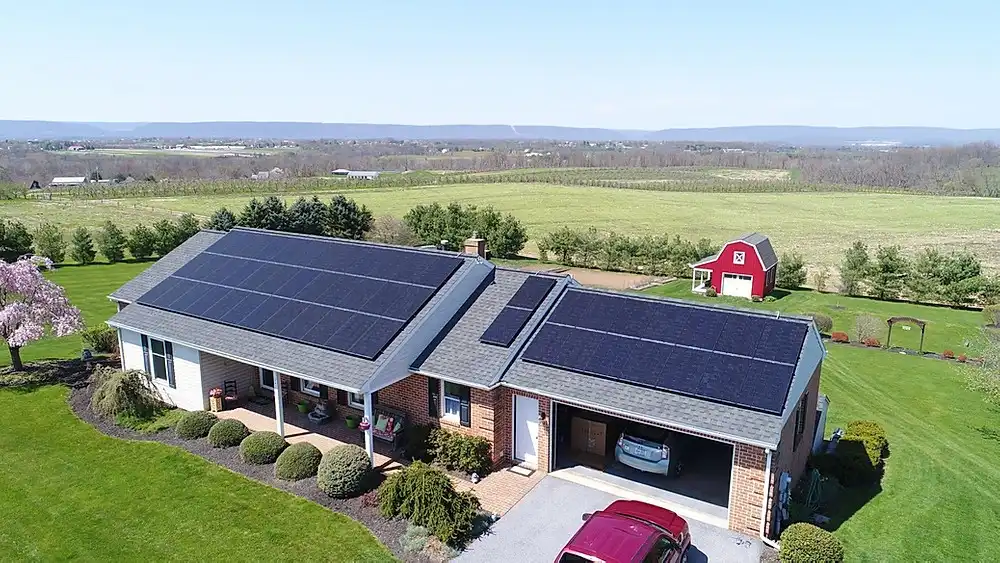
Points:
x=819 y=225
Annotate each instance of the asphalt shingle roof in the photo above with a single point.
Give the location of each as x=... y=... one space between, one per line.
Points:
x=764 y=248
x=162 y=268
x=460 y=356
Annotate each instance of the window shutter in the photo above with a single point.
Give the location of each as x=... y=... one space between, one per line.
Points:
x=145 y=354
x=324 y=392
x=294 y=383
x=464 y=414
x=433 y=396
x=169 y=349
x=374 y=398
x=341 y=397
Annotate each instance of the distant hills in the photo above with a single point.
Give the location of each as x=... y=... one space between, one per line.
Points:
x=781 y=134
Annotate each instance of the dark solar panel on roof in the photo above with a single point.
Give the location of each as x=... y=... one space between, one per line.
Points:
x=729 y=357
x=343 y=296
x=512 y=318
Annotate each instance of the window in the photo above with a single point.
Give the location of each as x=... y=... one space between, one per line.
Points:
x=453 y=394
x=739 y=257
x=309 y=387
x=158 y=359
x=660 y=550
x=356 y=400
x=267 y=379
x=800 y=420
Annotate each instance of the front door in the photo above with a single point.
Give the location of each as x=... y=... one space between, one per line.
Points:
x=526 y=430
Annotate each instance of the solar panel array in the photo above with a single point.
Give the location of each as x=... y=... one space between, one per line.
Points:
x=722 y=356
x=512 y=318
x=337 y=295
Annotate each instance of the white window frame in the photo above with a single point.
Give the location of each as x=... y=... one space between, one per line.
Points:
x=307 y=391
x=274 y=378
x=739 y=257
x=457 y=417
x=353 y=400
x=152 y=360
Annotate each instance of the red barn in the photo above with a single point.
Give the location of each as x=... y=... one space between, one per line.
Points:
x=745 y=267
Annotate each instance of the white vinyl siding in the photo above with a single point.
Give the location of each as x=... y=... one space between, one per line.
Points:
x=188 y=393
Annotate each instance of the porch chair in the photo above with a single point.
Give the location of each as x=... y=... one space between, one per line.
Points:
x=229 y=393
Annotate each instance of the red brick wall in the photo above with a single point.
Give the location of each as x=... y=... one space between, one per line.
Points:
x=505 y=433
x=747 y=494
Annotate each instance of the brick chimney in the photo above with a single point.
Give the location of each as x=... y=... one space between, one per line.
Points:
x=476 y=245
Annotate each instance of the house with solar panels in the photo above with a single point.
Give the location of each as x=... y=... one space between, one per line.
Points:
x=745 y=267
x=711 y=411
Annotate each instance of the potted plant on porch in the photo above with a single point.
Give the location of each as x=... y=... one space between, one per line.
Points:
x=303 y=406
x=352 y=420
x=215 y=399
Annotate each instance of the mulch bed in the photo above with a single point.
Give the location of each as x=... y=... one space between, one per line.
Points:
x=907 y=351
x=387 y=531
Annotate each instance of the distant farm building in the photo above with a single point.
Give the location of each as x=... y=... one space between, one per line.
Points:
x=34 y=185
x=745 y=267
x=363 y=175
x=341 y=172
x=64 y=181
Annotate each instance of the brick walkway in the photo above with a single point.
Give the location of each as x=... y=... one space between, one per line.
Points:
x=497 y=493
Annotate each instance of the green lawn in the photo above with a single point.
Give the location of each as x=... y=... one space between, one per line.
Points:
x=68 y=492
x=88 y=288
x=947 y=328
x=941 y=491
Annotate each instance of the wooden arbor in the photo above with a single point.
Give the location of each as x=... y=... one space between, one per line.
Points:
x=910 y=320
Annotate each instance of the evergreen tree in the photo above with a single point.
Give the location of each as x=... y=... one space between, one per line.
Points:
x=141 y=242
x=269 y=213
x=348 y=220
x=82 y=246
x=791 y=271
x=887 y=276
x=111 y=242
x=15 y=240
x=49 y=242
x=165 y=235
x=854 y=268
x=186 y=227
x=222 y=220
x=924 y=281
x=308 y=216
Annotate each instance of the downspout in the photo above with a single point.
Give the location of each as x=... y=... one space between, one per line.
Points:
x=764 y=505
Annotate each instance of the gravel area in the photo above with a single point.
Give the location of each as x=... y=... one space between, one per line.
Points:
x=387 y=531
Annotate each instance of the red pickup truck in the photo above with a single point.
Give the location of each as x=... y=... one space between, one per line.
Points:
x=629 y=531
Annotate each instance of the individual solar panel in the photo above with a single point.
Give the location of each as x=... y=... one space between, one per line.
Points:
x=506 y=327
x=723 y=356
x=532 y=292
x=371 y=344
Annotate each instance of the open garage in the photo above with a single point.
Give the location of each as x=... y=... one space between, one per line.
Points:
x=690 y=472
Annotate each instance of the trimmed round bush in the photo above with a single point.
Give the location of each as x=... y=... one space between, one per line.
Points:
x=227 y=434
x=195 y=424
x=262 y=448
x=344 y=471
x=298 y=461
x=805 y=543
x=824 y=323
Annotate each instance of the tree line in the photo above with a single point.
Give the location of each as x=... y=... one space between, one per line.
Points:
x=955 y=278
x=653 y=255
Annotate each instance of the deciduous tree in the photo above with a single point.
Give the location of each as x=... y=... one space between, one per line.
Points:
x=49 y=242
x=791 y=271
x=15 y=240
x=390 y=230
x=31 y=305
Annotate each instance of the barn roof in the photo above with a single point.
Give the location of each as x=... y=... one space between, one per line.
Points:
x=760 y=242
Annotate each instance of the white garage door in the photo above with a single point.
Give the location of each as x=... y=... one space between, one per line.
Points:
x=737 y=285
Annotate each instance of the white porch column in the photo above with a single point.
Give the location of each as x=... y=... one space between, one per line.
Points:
x=369 y=440
x=279 y=407
x=694 y=278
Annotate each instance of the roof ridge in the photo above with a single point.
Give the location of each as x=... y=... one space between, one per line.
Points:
x=367 y=243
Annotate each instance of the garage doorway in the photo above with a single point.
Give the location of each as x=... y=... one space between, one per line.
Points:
x=737 y=285
x=695 y=473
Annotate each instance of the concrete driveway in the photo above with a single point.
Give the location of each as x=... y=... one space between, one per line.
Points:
x=538 y=527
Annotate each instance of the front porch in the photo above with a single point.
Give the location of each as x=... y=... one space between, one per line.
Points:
x=497 y=492
x=701 y=280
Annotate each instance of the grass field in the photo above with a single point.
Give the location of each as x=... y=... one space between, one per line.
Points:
x=947 y=328
x=68 y=492
x=819 y=225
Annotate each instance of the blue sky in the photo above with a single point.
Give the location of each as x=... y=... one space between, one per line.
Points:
x=634 y=64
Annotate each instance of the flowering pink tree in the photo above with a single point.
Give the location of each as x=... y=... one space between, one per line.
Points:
x=29 y=304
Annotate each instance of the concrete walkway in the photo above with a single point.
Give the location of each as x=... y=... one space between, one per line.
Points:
x=497 y=492
x=538 y=527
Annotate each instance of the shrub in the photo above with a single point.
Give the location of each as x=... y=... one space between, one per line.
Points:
x=123 y=392
x=298 y=461
x=427 y=497
x=195 y=424
x=262 y=448
x=468 y=454
x=102 y=339
x=870 y=432
x=805 y=543
x=344 y=471
x=227 y=433
x=991 y=315
x=962 y=358
x=948 y=354
x=162 y=419
x=414 y=539
x=867 y=326
x=824 y=323
x=416 y=442
x=791 y=271
x=840 y=337
x=710 y=292
x=871 y=342
x=770 y=299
